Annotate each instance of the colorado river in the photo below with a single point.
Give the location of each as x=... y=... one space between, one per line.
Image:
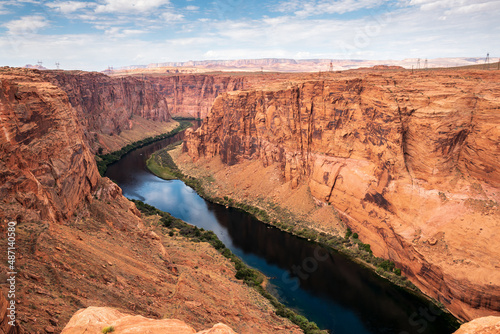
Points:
x=324 y=286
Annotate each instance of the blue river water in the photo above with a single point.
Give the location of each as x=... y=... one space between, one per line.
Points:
x=322 y=285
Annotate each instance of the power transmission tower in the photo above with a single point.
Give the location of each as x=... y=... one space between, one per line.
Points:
x=425 y=64
x=331 y=66
x=418 y=63
x=40 y=63
x=487 y=61
x=57 y=65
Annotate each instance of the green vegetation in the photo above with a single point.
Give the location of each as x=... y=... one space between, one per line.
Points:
x=105 y=160
x=187 y=119
x=162 y=165
x=108 y=329
x=348 y=233
x=249 y=276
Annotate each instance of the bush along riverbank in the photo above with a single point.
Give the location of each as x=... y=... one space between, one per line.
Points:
x=104 y=160
x=249 y=276
x=161 y=164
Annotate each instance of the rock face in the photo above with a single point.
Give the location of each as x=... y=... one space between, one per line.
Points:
x=486 y=325
x=5 y=327
x=81 y=243
x=94 y=319
x=46 y=169
x=193 y=95
x=105 y=105
x=410 y=162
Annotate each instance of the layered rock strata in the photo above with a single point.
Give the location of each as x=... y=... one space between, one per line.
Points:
x=192 y=95
x=46 y=168
x=107 y=106
x=410 y=162
x=80 y=243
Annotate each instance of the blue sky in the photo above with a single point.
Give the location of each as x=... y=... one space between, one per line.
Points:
x=93 y=35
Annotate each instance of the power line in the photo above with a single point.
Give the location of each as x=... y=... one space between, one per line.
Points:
x=487 y=61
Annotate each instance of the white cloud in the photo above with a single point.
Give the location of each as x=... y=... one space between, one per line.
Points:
x=172 y=17
x=118 y=32
x=126 y=28
x=456 y=6
x=475 y=8
x=26 y=25
x=192 y=8
x=319 y=7
x=130 y=6
x=67 y=7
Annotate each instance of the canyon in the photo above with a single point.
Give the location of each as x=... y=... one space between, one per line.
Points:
x=112 y=110
x=80 y=243
x=407 y=161
x=193 y=95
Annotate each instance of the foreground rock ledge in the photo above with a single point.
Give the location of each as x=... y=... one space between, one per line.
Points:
x=485 y=325
x=94 y=319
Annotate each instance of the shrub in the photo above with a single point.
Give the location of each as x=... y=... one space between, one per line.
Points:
x=348 y=233
x=387 y=265
x=355 y=235
x=365 y=247
x=108 y=329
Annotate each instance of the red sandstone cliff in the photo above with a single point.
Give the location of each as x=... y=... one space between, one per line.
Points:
x=80 y=243
x=46 y=169
x=106 y=105
x=410 y=161
x=192 y=95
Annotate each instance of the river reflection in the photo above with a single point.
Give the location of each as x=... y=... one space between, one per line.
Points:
x=327 y=288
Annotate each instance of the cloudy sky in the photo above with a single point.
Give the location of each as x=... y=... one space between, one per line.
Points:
x=95 y=34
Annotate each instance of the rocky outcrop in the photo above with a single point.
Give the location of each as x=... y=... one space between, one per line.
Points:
x=486 y=325
x=94 y=319
x=410 y=162
x=46 y=169
x=6 y=321
x=106 y=105
x=192 y=95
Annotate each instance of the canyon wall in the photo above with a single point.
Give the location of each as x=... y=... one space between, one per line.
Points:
x=409 y=161
x=80 y=243
x=46 y=168
x=106 y=106
x=192 y=95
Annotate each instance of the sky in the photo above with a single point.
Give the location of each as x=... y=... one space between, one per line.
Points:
x=95 y=34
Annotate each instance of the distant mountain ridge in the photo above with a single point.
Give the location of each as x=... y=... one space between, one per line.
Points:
x=310 y=65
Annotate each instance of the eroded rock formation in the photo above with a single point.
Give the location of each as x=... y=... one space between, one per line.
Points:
x=46 y=169
x=192 y=95
x=81 y=243
x=106 y=105
x=94 y=319
x=410 y=162
x=485 y=325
